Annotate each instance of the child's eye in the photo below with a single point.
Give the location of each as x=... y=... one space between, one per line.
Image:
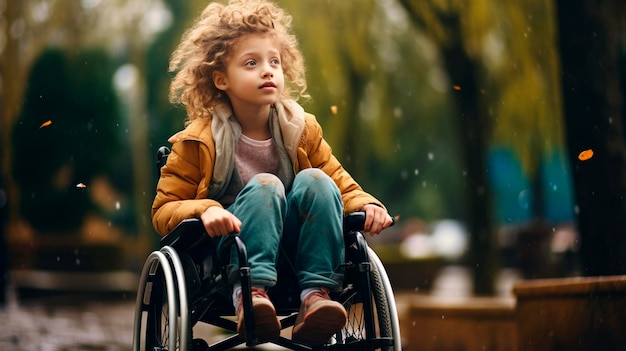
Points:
x=250 y=63
x=275 y=61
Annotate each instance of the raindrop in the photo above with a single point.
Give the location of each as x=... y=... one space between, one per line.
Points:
x=431 y=156
x=416 y=171
x=78 y=261
x=117 y=205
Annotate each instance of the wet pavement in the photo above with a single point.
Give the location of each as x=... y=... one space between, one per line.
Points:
x=67 y=322
x=48 y=321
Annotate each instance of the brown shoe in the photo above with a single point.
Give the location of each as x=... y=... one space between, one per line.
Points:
x=266 y=323
x=319 y=319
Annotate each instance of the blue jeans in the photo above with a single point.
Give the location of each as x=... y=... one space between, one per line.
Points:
x=303 y=227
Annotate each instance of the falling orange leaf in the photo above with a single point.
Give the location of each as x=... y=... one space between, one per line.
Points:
x=333 y=109
x=81 y=186
x=456 y=87
x=45 y=124
x=585 y=155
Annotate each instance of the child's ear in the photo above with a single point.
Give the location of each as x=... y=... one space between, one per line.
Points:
x=220 y=81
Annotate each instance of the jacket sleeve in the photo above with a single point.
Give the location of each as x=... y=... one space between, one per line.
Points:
x=181 y=190
x=317 y=153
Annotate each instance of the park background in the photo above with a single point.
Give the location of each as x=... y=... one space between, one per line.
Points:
x=466 y=118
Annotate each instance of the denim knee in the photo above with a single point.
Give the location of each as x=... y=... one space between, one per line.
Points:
x=315 y=178
x=268 y=184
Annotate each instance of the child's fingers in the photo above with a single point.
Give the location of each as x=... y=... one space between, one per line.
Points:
x=218 y=222
x=376 y=219
x=236 y=225
x=383 y=222
x=377 y=224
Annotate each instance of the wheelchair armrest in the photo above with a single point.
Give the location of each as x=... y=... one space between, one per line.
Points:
x=354 y=221
x=186 y=234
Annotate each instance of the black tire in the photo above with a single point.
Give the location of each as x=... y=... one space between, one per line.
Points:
x=385 y=314
x=385 y=302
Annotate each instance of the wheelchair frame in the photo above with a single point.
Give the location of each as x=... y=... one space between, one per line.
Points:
x=186 y=282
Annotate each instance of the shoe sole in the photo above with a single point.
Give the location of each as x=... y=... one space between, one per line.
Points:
x=266 y=324
x=319 y=325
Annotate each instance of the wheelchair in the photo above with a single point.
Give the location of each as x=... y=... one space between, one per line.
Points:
x=188 y=281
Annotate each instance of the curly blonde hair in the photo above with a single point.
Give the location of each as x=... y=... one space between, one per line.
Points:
x=206 y=46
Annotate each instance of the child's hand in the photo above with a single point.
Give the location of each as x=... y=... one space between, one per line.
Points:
x=376 y=219
x=218 y=222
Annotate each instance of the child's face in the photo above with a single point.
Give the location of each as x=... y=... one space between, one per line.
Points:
x=254 y=74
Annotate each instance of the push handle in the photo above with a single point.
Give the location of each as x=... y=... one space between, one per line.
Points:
x=161 y=159
x=355 y=221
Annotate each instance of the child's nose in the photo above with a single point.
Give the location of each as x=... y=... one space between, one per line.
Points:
x=268 y=71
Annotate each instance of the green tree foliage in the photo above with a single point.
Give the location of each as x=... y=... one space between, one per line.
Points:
x=512 y=44
x=66 y=134
x=523 y=82
x=392 y=127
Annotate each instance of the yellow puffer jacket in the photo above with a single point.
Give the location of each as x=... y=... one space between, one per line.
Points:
x=183 y=188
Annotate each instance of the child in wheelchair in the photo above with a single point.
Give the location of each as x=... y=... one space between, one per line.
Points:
x=251 y=161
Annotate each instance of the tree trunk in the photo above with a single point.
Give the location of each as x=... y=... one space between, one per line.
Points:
x=473 y=131
x=588 y=43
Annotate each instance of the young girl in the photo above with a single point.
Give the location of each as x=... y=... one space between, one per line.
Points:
x=251 y=161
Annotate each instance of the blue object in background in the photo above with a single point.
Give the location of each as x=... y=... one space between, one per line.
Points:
x=512 y=188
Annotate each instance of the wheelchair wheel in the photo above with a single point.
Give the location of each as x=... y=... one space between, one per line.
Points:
x=383 y=296
x=387 y=328
x=159 y=323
